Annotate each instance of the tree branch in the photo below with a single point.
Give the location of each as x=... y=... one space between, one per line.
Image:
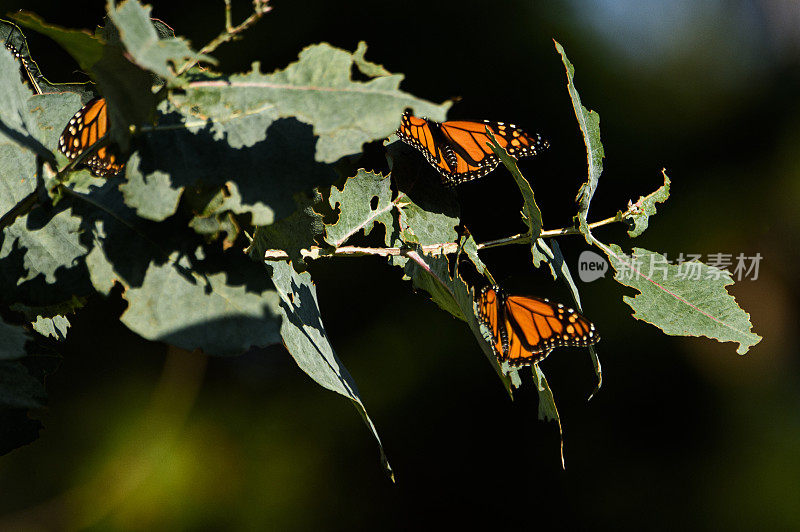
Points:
x=316 y=252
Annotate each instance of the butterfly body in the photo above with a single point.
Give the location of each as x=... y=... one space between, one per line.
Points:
x=526 y=329
x=458 y=149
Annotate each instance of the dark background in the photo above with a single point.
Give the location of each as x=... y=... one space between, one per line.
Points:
x=684 y=431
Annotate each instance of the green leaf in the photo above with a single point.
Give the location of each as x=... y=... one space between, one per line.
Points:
x=547 y=404
x=147 y=50
x=589 y=123
x=12 y=341
x=431 y=273
x=304 y=336
x=223 y=161
x=55 y=327
x=427 y=212
x=367 y=199
x=470 y=247
x=27 y=125
x=85 y=48
x=54 y=245
x=150 y=194
x=317 y=90
x=292 y=234
x=126 y=87
x=364 y=200
x=222 y=313
x=531 y=214
x=674 y=301
x=371 y=70
x=645 y=207
x=12 y=35
x=559 y=265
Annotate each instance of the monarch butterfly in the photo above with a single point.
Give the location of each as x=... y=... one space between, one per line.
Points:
x=525 y=329
x=458 y=150
x=84 y=129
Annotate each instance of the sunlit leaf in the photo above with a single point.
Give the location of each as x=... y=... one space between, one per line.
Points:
x=317 y=90
x=221 y=313
x=645 y=207
x=364 y=200
x=689 y=299
x=158 y=55
x=589 y=123
x=547 y=404
x=304 y=336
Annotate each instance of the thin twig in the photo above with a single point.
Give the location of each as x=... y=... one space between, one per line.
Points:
x=447 y=248
x=259 y=8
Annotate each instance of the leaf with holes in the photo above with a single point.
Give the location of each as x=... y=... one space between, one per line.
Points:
x=645 y=207
x=364 y=200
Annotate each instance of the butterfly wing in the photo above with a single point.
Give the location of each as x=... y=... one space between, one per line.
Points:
x=490 y=311
x=470 y=143
x=458 y=149
x=527 y=329
x=425 y=136
x=84 y=129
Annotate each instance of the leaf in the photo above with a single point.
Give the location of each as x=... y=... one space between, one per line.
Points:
x=12 y=35
x=470 y=247
x=82 y=46
x=531 y=214
x=547 y=404
x=48 y=247
x=646 y=207
x=126 y=87
x=123 y=244
x=226 y=160
x=306 y=340
x=317 y=90
x=137 y=34
x=292 y=234
x=55 y=327
x=26 y=131
x=589 y=123
x=431 y=273
x=370 y=70
x=427 y=212
x=222 y=313
x=41 y=258
x=673 y=301
x=559 y=265
x=12 y=341
x=364 y=200
x=152 y=194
